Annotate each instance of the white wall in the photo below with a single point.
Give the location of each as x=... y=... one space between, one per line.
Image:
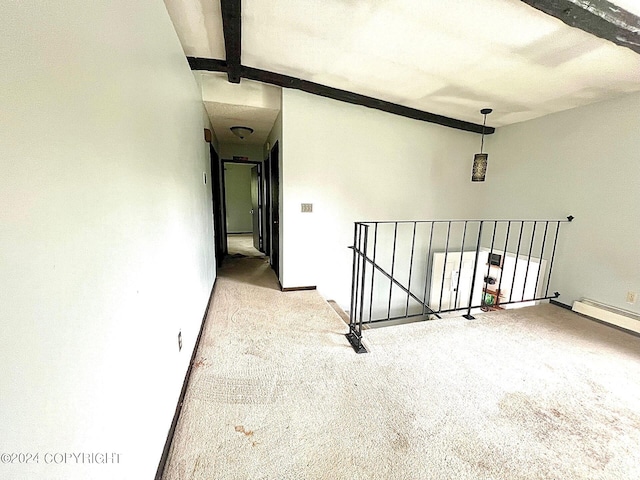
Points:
x=252 y=152
x=237 y=179
x=106 y=241
x=583 y=162
x=356 y=164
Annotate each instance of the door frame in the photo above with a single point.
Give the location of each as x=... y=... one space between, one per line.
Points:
x=263 y=211
x=274 y=207
x=219 y=227
x=257 y=208
x=266 y=184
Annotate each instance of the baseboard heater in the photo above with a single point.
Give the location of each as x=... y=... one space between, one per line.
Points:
x=608 y=314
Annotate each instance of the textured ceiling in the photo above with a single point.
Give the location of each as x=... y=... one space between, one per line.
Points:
x=446 y=57
x=224 y=116
x=248 y=104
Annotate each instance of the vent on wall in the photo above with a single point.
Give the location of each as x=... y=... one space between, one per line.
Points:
x=605 y=313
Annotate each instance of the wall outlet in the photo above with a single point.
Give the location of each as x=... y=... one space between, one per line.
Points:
x=632 y=297
x=180 y=340
x=306 y=207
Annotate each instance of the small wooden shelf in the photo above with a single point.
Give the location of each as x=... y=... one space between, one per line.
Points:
x=491 y=299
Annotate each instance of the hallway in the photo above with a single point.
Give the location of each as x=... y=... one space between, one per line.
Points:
x=255 y=380
x=241 y=245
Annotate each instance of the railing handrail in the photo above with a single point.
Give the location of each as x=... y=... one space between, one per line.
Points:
x=532 y=262
x=374 y=222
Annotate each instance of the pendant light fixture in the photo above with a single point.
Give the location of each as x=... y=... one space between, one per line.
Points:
x=480 y=159
x=241 y=132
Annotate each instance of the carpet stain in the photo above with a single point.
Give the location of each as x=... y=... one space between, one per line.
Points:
x=246 y=433
x=473 y=451
x=555 y=413
x=200 y=363
x=241 y=429
x=585 y=425
x=401 y=442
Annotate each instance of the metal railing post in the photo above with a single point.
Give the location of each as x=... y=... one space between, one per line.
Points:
x=357 y=286
x=362 y=284
x=464 y=234
x=393 y=266
x=444 y=270
x=553 y=256
x=468 y=316
x=526 y=272
x=515 y=265
x=373 y=270
x=353 y=275
x=544 y=240
x=504 y=253
x=427 y=271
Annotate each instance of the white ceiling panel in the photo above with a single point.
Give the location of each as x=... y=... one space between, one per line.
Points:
x=449 y=57
x=198 y=24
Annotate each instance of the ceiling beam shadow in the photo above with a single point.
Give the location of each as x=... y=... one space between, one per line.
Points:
x=213 y=65
x=597 y=17
x=232 y=30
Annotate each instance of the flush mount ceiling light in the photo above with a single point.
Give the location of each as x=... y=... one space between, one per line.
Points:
x=480 y=159
x=241 y=132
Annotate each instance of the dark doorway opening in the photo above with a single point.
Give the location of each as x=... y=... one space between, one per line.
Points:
x=219 y=232
x=274 y=163
x=261 y=234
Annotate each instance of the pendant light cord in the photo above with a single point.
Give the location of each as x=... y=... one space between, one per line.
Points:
x=483 y=125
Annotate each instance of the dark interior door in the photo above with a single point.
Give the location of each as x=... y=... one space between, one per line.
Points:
x=219 y=234
x=256 y=209
x=275 y=209
x=266 y=206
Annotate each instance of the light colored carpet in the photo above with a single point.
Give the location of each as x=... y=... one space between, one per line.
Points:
x=241 y=245
x=277 y=393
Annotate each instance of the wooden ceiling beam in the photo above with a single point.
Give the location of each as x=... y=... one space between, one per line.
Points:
x=286 y=81
x=207 y=64
x=232 y=30
x=597 y=17
x=357 y=99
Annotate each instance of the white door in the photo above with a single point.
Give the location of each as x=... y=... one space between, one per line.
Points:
x=453 y=281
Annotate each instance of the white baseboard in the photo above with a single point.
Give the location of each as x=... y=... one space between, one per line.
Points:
x=605 y=313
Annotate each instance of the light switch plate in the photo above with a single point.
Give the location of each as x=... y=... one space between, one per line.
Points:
x=307 y=207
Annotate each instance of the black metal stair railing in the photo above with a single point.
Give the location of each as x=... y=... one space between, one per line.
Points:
x=423 y=269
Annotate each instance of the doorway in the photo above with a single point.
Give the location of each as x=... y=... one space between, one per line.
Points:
x=216 y=197
x=274 y=176
x=256 y=231
x=244 y=210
